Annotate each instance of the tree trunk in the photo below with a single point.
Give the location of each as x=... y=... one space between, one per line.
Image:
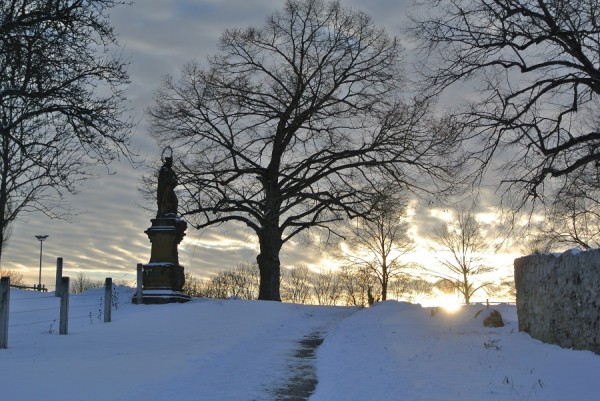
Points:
x=269 y=236
x=384 y=279
x=467 y=289
x=1 y=239
x=4 y=194
x=269 y=265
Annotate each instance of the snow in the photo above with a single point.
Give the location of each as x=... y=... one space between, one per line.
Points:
x=571 y=251
x=243 y=350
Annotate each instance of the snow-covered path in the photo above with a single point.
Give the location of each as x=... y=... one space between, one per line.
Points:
x=302 y=380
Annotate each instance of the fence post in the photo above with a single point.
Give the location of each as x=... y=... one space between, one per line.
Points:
x=59 y=266
x=64 y=306
x=140 y=278
x=107 y=299
x=4 y=301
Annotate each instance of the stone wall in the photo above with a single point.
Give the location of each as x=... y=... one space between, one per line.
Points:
x=558 y=298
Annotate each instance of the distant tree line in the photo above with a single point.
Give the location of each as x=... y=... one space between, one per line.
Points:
x=345 y=286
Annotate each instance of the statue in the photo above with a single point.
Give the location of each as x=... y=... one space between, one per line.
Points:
x=162 y=278
x=167 y=181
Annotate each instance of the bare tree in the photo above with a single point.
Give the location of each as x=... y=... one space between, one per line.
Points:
x=16 y=278
x=355 y=281
x=61 y=96
x=378 y=242
x=239 y=282
x=536 y=66
x=243 y=281
x=193 y=286
x=290 y=123
x=217 y=286
x=82 y=283
x=296 y=284
x=408 y=287
x=325 y=287
x=465 y=245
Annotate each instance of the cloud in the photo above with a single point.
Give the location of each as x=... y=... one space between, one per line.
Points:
x=107 y=236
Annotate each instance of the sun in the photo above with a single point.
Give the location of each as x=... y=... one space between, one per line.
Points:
x=449 y=303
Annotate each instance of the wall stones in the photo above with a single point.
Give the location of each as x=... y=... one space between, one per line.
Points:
x=558 y=298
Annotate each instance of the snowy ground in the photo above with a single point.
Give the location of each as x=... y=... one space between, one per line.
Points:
x=244 y=350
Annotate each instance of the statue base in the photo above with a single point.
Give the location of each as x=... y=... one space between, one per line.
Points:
x=166 y=296
x=162 y=283
x=163 y=278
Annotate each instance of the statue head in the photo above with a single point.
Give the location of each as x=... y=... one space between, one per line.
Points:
x=167 y=156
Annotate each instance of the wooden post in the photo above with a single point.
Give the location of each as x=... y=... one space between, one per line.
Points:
x=59 y=266
x=140 y=279
x=107 y=299
x=64 y=306
x=4 y=301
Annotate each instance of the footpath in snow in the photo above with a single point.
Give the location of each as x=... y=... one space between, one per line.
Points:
x=250 y=350
x=201 y=350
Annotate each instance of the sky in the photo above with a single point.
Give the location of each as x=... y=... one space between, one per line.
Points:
x=105 y=235
x=231 y=350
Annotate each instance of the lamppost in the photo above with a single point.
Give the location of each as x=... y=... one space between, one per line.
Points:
x=40 y=238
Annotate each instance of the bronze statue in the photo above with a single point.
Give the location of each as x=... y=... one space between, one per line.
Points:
x=167 y=181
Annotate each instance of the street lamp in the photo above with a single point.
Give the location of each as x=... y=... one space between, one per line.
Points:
x=40 y=238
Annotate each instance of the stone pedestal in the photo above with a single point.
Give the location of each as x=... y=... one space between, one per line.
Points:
x=163 y=277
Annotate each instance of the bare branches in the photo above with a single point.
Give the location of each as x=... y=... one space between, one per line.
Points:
x=464 y=245
x=61 y=93
x=573 y=218
x=291 y=123
x=378 y=243
x=537 y=67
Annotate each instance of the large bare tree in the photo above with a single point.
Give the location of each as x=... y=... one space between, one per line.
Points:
x=290 y=122
x=536 y=66
x=61 y=82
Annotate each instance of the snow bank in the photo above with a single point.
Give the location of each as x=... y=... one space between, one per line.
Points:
x=399 y=351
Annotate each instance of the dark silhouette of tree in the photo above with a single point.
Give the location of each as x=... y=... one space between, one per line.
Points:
x=289 y=125
x=465 y=245
x=573 y=217
x=378 y=242
x=355 y=281
x=536 y=66
x=60 y=101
